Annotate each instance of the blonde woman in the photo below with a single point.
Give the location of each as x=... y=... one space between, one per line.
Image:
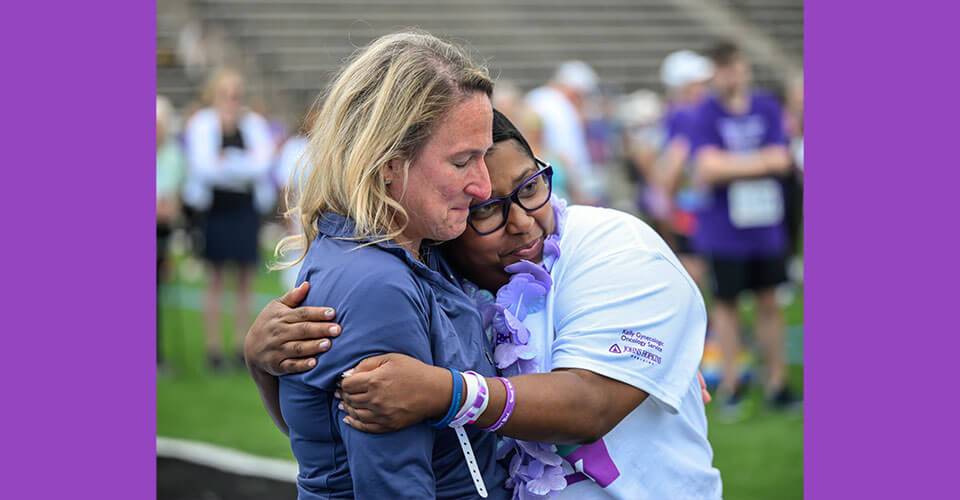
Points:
x=395 y=160
x=229 y=151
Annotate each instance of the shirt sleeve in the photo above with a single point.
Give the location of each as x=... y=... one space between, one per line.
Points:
x=379 y=314
x=201 y=145
x=703 y=129
x=627 y=312
x=679 y=125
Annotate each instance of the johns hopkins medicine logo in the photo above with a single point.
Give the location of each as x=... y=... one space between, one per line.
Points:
x=639 y=346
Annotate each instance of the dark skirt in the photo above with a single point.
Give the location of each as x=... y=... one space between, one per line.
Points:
x=231 y=228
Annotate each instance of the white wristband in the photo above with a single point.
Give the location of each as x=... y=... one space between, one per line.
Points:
x=478 y=396
x=471 y=462
x=471 y=387
x=486 y=400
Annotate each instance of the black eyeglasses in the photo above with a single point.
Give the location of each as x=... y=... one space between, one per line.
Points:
x=533 y=193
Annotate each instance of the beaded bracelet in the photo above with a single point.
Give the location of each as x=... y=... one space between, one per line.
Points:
x=475 y=402
x=454 y=401
x=507 y=408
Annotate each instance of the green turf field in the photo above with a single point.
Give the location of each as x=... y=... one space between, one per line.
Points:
x=760 y=458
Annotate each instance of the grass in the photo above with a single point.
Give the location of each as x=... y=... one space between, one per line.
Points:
x=760 y=458
x=192 y=403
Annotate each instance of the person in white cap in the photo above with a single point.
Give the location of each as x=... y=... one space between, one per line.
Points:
x=559 y=105
x=685 y=74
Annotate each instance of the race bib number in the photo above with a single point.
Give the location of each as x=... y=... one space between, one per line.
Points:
x=755 y=203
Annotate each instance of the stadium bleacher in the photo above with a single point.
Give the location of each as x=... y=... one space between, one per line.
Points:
x=296 y=45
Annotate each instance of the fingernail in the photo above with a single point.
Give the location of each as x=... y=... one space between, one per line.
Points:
x=337 y=395
x=334 y=329
x=329 y=313
x=311 y=362
x=340 y=405
x=348 y=372
x=324 y=343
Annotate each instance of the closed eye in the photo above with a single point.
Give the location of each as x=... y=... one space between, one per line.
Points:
x=463 y=164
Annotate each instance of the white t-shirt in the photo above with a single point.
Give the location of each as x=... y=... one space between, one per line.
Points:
x=623 y=306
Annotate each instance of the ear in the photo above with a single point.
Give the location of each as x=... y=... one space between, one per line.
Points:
x=391 y=172
x=392 y=168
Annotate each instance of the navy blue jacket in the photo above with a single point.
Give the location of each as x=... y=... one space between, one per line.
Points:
x=386 y=301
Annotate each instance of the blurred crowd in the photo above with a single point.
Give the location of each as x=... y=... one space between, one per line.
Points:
x=712 y=163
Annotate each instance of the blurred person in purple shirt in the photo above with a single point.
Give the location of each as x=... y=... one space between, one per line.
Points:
x=685 y=74
x=740 y=155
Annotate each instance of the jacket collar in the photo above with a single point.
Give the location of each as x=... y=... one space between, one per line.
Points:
x=435 y=270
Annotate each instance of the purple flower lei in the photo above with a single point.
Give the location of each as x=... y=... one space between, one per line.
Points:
x=535 y=470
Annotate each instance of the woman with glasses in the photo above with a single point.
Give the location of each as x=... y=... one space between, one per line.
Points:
x=594 y=321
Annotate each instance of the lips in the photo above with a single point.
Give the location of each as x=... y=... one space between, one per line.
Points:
x=529 y=251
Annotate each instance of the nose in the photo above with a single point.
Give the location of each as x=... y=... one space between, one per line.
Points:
x=518 y=220
x=478 y=183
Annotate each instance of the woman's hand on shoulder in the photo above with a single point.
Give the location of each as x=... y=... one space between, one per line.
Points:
x=284 y=338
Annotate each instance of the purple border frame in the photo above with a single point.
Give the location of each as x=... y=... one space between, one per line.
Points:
x=881 y=274
x=79 y=417
x=881 y=268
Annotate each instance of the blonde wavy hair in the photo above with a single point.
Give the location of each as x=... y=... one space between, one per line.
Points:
x=382 y=106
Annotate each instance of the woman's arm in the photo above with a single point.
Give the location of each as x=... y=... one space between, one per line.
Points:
x=405 y=391
x=392 y=391
x=591 y=388
x=285 y=340
x=572 y=406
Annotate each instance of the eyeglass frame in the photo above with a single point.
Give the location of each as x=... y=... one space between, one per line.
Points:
x=514 y=197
